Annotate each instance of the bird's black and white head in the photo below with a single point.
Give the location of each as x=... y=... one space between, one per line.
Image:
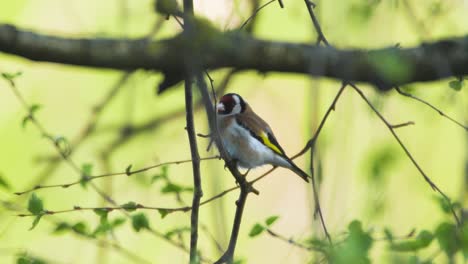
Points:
x=231 y=104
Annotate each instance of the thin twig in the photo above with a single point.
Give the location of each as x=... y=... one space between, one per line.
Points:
x=293 y=242
x=431 y=106
x=90 y=126
x=408 y=154
x=79 y=172
x=126 y=173
x=255 y=13
x=321 y=37
x=409 y=123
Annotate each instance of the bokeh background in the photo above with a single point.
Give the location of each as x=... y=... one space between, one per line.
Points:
x=364 y=174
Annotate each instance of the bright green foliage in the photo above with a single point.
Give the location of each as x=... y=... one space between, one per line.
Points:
x=163 y=175
x=177 y=231
x=457 y=84
x=128 y=170
x=381 y=161
x=35 y=221
x=362 y=11
x=355 y=247
x=62 y=143
x=175 y=188
x=35 y=205
x=4 y=184
x=423 y=240
x=11 y=76
x=256 y=230
x=167 y=7
x=271 y=220
x=129 y=207
x=86 y=170
x=80 y=228
x=140 y=221
x=32 y=111
x=448 y=238
x=26 y=259
x=163 y=212
x=447 y=206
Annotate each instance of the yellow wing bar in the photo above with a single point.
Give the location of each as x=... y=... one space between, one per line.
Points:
x=270 y=144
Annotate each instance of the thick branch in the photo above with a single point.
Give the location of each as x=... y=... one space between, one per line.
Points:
x=383 y=67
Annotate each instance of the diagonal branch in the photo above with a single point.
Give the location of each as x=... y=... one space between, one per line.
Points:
x=431 y=106
x=405 y=149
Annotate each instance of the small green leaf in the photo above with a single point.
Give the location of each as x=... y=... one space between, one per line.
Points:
x=355 y=247
x=102 y=213
x=102 y=228
x=63 y=144
x=464 y=240
x=25 y=121
x=447 y=206
x=130 y=206
x=86 y=170
x=388 y=234
x=11 y=76
x=36 y=221
x=175 y=188
x=256 y=230
x=162 y=175
x=34 y=108
x=61 y=227
x=118 y=222
x=127 y=170
x=140 y=221
x=167 y=7
x=446 y=234
x=80 y=228
x=4 y=184
x=271 y=220
x=84 y=182
x=163 y=212
x=423 y=240
x=24 y=258
x=456 y=85
x=176 y=231
x=35 y=205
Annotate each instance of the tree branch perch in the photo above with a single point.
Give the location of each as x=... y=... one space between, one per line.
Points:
x=427 y=62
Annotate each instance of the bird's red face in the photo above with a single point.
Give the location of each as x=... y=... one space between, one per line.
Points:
x=230 y=104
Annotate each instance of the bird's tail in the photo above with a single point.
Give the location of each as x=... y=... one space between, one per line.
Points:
x=298 y=171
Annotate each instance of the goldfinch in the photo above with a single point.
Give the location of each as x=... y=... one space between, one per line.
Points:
x=247 y=138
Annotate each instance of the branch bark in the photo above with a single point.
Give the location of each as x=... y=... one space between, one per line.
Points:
x=384 y=67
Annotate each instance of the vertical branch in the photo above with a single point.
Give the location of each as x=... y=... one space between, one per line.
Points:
x=245 y=186
x=197 y=192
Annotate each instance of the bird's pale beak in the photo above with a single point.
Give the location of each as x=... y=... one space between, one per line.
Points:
x=220 y=107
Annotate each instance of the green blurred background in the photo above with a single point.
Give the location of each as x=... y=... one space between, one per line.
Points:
x=364 y=173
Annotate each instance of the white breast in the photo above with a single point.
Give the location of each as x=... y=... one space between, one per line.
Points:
x=247 y=150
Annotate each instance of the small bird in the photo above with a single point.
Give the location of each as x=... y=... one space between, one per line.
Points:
x=247 y=138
